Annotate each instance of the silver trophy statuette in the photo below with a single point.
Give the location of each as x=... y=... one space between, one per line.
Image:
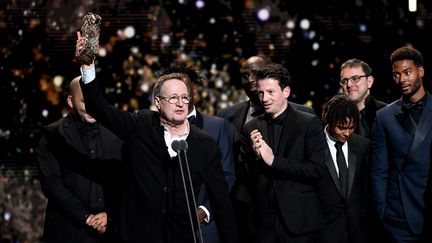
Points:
x=90 y=30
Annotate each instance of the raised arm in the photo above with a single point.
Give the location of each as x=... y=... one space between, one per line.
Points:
x=118 y=121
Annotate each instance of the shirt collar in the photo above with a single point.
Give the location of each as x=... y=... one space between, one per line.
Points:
x=193 y=113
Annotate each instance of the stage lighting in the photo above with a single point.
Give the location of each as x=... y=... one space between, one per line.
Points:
x=200 y=4
x=263 y=14
x=304 y=24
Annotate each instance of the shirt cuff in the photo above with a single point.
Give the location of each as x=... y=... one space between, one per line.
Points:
x=206 y=219
x=88 y=73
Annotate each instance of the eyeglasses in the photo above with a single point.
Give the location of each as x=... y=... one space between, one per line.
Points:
x=175 y=98
x=354 y=79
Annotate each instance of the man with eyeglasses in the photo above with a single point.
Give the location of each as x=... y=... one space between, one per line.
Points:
x=155 y=206
x=222 y=132
x=401 y=143
x=356 y=80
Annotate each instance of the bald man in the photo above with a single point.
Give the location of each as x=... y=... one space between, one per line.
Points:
x=77 y=159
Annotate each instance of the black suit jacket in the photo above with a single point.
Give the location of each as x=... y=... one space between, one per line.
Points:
x=155 y=207
x=237 y=115
x=372 y=106
x=346 y=216
x=73 y=182
x=293 y=175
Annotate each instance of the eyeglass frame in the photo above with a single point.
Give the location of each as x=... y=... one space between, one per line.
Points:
x=176 y=98
x=354 y=79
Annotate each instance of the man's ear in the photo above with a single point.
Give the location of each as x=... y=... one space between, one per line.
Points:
x=421 y=71
x=286 y=92
x=69 y=100
x=157 y=102
x=370 y=80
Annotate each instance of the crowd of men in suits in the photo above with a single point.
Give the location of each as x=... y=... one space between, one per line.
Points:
x=265 y=170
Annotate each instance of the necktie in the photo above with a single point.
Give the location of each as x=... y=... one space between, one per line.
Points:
x=192 y=120
x=343 y=169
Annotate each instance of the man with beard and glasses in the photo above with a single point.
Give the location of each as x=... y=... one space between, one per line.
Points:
x=401 y=142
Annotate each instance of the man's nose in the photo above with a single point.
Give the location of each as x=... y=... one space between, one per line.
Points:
x=180 y=103
x=264 y=97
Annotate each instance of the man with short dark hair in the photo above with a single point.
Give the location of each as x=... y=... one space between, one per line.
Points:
x=401 y=143
x=356 y=80
x=238 y=115
x=282 y=151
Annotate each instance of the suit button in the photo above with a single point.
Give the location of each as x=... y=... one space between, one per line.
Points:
x=163 y=211
x=401 y=173
x=99 y=199
x=165 y=189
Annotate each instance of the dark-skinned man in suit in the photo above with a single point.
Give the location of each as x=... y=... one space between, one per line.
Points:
x=401 y=141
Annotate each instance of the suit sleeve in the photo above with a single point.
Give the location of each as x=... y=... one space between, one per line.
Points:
x=314 y=152
x=118 y=121
x=379 y=167
x=226 y=144
x=52 y=185
x=218 y=194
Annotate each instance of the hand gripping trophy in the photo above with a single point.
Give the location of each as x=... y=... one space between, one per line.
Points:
x=90 y=30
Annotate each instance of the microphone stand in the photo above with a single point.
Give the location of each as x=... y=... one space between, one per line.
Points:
x=182 y=146
x=185 y=145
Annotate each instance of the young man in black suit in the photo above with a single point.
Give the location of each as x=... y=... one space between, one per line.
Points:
x=238 y=115
x=282 y=151
x=345 y=196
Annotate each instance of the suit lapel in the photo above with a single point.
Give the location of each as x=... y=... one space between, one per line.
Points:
x=264 y=130
x=286 y=129
x=352 y=164
x=199 y=120
x=422 y=130
x=69 y=131
x=332 y=169
x=240 y=118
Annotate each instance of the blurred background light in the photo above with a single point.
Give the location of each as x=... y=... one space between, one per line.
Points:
x=304 y=24
x=263 y=14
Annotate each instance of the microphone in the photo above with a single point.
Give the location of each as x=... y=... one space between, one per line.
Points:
x=176 y=145
x=184 y=145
